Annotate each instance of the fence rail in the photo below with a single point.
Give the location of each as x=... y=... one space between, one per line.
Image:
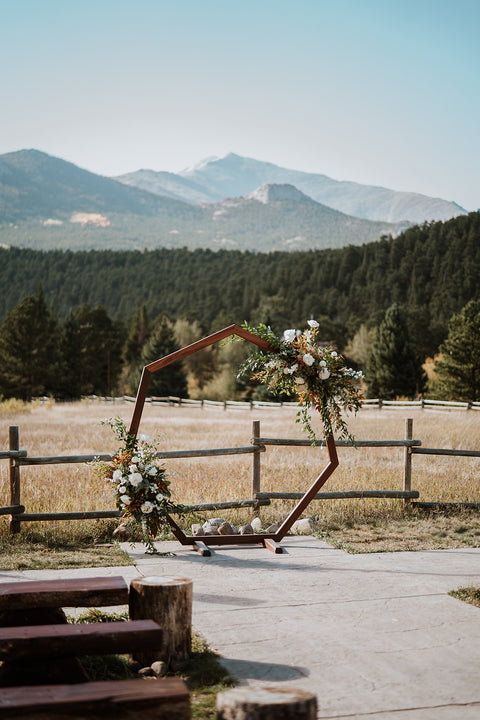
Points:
x=18 y=458
x=377 y=403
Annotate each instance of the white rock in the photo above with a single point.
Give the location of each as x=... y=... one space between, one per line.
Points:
x=256 y=524
x=159 y=668
x=210 y=529
x=216 y=522
x=304 y=526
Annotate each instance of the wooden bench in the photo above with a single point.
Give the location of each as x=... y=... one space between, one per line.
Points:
x=38 y=645
x=167 y=699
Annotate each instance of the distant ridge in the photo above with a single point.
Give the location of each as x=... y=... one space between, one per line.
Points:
x=49 y=203
x=218 y=178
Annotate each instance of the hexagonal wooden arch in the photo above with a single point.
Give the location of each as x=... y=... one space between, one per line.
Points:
x=201 y=543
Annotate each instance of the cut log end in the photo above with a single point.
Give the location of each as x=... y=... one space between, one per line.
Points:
x=266 y=704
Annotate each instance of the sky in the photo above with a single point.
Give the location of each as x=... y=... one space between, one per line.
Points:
x=381 y=92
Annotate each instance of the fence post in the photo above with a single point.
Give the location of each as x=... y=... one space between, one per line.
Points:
x=14 y=476
x=256 y=460
x=407 y=478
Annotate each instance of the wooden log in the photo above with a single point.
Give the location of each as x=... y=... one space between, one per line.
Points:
x=266 y=704
x=46 y=641
x=14 y=477
x=72 y=592
x=167 y=601
x=166 y=699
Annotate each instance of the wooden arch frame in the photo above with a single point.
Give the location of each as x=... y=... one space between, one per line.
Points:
x=201 y=543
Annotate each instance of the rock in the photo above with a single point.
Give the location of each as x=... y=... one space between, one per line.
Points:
x=256 y=525
x=210 y=529
x=304 y=526
x=197 y=529
x=122 y=532
x=216 y=522
x=146 y=672
x=227 y=529
x=159 y=668
x=246 y=529
x=273 y=528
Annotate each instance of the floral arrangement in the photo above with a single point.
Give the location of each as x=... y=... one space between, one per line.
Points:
x=298 y=365
x=142 y=491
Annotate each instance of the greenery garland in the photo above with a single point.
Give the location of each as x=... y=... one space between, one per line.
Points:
x=298 y=365
x=141 y=488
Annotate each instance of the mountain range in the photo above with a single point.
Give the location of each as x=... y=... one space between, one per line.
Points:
x=234 y=202
x=218 y=178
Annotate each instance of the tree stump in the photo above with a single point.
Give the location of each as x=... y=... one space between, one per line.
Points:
x=168 y=601
x=266 y=704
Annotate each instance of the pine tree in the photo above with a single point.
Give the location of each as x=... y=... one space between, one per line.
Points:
x=29 y=353
x=91 y=351
x=138 y=334
x=393 y=369
x=172 y=379
x=458 y=370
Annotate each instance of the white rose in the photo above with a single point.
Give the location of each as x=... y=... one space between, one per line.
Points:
x=313 y=323
x=308 y=359
x=117 y=475
x=132 y=468
x=334 y=354
x=300 y=381
x=324 y=374
x=289 y=335
x=122 y=489
x=322 y=363
x=135 y=479
x=152 y=470
x=125 y=499
x=147 y=507
x=160 y=497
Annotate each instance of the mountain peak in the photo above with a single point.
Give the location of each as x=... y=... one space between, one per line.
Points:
x=274 y=192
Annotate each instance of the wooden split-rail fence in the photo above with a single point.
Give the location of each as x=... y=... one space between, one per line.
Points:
x=18 y=459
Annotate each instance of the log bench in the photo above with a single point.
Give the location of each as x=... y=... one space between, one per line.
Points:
x=167 y=699
x=41 y=676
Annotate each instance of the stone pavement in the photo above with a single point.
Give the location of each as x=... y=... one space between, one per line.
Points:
x=374 y=636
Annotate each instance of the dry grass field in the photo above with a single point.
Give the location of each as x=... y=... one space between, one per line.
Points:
x=357 y=525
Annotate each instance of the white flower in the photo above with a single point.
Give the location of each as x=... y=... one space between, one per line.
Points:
x=308 y=359
x=322 y=363
x=289 y=335
x=300 y=381
x=135 y=479
x=133 y=468
x=147 y=507
x=290 y=370
x=313 y=323
x=117 y=475
x=152 y=470
x=324 y=374
x=135 y=460
x=161 y=497
x=334 y=354
x=126 y=500
x=122 y=489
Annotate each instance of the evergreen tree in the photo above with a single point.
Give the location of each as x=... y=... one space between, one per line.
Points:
x=458 y=370
x=29 y=354
x=172 y=379
x=138 y=334
x=392 y=366
x=91 y=345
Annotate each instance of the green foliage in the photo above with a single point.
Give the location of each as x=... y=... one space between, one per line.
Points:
x=458 y=370
x=172 y=379
x=29 y=357
x=393 y=369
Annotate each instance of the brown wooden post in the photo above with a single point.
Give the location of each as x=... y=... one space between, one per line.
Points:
x=256 y=460
x=407 y=477
x=168 y=601
x=14 y=475
x=266 y=703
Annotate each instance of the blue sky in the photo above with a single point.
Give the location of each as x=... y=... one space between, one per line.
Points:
x=384 y=92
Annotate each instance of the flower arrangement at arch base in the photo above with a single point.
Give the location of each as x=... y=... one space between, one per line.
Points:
x=141 y=488
x=298 y=365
